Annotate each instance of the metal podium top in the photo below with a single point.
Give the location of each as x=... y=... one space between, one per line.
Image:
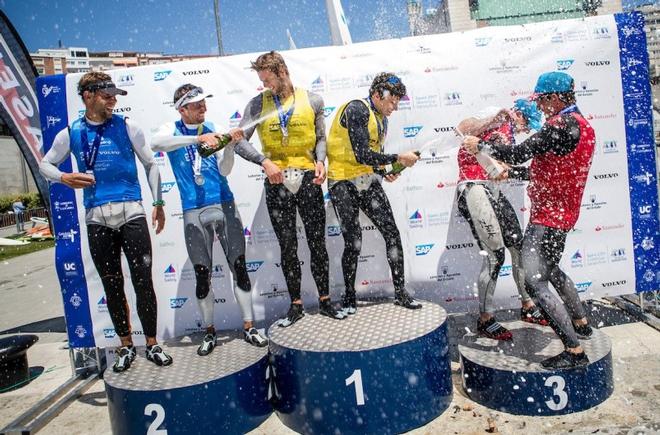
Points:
x=374 y=326
x=531 y=344
x=188 y=368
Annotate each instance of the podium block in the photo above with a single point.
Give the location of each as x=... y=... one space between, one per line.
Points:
x=383 y=370
x=507 y=375
x=223 y=392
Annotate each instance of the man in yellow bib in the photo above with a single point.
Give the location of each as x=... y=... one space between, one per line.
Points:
x=355 y=149
x=290 y=125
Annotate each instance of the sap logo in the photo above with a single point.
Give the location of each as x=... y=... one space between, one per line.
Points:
x=606 y=176
x=459 y=246
x=167 y=186
x=645 y=209
x=506 y=270
x=253 y=266
x=67 y=235
x=564 y=64
x=443 y=129
x=411 y=131
x=582 y=286
x=423 y=249
x=482 y=42
x=161 y=75
x=70 y=267
x=81 y=113
x=613 y=283
x=75 y=300
x=334 y=230
x=647 y=243
x=47 y=90
x=126 y=80
x=122 y=110
x=52 y=121
x=597 y=63
x=196 y=72
x=109 y=333
x=176 y=303
x=80 y=331
x=327 y=111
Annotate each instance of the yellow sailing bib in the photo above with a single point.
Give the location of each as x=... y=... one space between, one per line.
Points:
x=297 y=149
x=341 y=158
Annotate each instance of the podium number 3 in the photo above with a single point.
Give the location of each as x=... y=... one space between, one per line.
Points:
x=154 y=408
x=557 y=383
x=356 y=378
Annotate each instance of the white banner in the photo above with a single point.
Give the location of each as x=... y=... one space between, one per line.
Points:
x=449 y=77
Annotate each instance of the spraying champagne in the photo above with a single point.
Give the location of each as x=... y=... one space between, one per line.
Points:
x=492 y=167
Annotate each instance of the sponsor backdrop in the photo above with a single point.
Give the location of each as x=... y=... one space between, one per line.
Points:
x=613 y=249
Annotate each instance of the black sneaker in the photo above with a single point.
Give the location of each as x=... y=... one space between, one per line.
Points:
x=566 y=360
x=404 y=299
x=533 y=315
x=326 y=309
x=253 y=337
x=349 y=303
x=295 y=313
x=208 y=344
x=491 y=328
x=583 y=331
x=156 y=355
x=125 y=356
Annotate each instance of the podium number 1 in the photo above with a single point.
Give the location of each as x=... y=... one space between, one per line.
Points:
x=356 y=378
x=154 y=408
x=557 y=383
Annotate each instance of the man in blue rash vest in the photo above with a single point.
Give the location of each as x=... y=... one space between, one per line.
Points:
x=208 y=207
x=104 y=147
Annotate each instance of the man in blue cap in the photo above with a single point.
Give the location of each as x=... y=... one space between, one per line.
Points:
x=492 y=219
x=561 y=154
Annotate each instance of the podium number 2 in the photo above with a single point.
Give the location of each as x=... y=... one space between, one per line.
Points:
x=160 y=418
x=557 y=383
x=356 y=378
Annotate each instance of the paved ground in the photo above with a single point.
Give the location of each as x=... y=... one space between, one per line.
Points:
x=31 y=303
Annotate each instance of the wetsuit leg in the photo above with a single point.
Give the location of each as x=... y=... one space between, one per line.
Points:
x=105 y=249
x=376 y=206
x=282 y=212
x=136 y=244
x=198 y=234
x=542 y=250
x=476 y=205
x=345 y=200
x=311 y=207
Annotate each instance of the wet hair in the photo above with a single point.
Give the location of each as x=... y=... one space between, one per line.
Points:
x=181 y=91
x=271 y=61
x=387 y=82
x=90 y=79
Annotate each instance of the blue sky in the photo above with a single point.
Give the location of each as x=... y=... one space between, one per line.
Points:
x=188 y=27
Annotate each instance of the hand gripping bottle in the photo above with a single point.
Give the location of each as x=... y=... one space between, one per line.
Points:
x=396 y=167
x=206 y=151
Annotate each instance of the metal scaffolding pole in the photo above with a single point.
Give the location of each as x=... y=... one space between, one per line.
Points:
x=218 y=31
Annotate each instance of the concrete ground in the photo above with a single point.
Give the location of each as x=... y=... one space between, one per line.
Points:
x=31 y=303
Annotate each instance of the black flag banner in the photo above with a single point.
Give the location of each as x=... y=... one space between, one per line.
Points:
x=19 y=108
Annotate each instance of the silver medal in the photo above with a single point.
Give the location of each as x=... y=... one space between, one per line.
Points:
x=199 y=179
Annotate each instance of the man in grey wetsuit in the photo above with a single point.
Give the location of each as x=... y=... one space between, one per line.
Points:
x=208 y=207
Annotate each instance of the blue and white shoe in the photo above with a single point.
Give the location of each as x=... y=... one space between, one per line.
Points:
x=125 y=356
x=295 y=313
x=208 y=344
x=253 y=337
x=326 y=309
x=156 y=355
x=349 y=303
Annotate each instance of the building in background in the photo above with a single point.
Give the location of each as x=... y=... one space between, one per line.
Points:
x=433 y=19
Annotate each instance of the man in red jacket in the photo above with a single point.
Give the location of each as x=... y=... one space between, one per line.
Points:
x=561 y=154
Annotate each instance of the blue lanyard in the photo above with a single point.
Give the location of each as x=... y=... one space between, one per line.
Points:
x=382 y=126
x=191 y=150
x=284 y=117
x=91 y=152
x=570 y=109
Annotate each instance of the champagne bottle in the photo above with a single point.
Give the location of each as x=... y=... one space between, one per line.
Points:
x=396 y=167
x=206 y=151
x=492 y=167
